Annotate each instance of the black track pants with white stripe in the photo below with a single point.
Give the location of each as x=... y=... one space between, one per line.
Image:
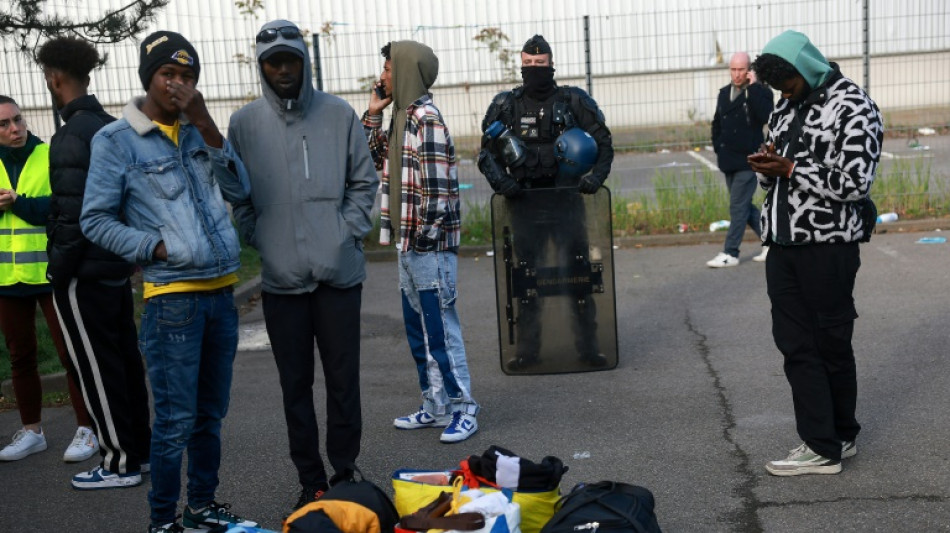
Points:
x=99 y=329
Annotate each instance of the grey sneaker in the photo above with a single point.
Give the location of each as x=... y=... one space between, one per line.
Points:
x=803 y=460
x=848 y=449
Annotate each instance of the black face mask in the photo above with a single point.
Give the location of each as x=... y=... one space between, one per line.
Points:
x=538 y=82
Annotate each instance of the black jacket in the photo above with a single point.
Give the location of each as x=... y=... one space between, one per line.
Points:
x=737 y=125
x=71 y=255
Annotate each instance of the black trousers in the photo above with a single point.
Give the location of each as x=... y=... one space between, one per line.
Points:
x=99 y=329
x=332 y=317
x=813 y=315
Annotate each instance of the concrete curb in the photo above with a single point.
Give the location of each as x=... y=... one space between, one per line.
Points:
x=251 y=288
x=57 y=382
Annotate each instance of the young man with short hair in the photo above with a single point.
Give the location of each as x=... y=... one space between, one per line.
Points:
x=158 y=180
x=91 y=286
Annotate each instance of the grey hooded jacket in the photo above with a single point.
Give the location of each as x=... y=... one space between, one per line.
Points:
x=313 y=183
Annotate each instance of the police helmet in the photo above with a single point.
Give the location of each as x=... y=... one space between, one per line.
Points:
x=576 y=153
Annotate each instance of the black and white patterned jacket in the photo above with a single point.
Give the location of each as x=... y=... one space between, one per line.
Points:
x=835 y=162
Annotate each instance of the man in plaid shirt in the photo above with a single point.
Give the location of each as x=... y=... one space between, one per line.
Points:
x=425 y=231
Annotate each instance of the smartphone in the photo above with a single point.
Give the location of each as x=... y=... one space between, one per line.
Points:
x=380 y=92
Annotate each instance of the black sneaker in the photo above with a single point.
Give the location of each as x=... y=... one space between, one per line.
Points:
x=595 y=360
x=213 y=516
x=309 y=495
x=171 y=527
x=523 y=362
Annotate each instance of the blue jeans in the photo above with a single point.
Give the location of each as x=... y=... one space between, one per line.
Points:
x=189 y=341
x=741 y=187
x=427 y=284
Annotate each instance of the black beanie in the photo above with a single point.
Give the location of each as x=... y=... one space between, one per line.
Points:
x=163 y=47
x=536 y=46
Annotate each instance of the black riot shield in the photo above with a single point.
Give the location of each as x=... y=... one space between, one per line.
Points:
x=554 y=276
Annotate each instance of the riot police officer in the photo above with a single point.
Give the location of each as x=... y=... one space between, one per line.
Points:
x=518 y=154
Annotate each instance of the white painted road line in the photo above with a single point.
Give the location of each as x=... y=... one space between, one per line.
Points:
x=709 y=164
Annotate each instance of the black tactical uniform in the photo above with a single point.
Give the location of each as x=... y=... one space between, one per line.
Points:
x=562 y=222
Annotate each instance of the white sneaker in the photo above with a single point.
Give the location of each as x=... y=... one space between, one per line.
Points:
x=25 y=442
x=723 y=260
x=803 y=460
x=100 y=478
x=463 y=426
x=422 y=419
x=84 y=445
x=761 y=257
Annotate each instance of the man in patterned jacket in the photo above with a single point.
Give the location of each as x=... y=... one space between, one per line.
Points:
x=823 y=149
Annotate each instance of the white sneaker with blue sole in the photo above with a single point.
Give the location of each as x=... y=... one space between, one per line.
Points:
x=99 y=478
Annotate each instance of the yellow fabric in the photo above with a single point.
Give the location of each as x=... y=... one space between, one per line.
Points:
x=150 y=290
x=348 y=516
x=537 y=508
x=170 y=131
x=23 y=245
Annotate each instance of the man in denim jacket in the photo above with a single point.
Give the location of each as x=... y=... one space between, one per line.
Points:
x=155 y=196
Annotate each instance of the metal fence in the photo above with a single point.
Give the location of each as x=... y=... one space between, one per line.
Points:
x=655 y=75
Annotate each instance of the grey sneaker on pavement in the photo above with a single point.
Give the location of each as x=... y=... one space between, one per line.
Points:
x=803 y=460
x=848 y=449
x=762 y=256
x=422 y=419
x=25 y=442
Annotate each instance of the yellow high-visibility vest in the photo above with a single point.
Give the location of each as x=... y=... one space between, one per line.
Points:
x=23 y=245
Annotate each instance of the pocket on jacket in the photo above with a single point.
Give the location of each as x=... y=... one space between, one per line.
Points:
x=164 y=178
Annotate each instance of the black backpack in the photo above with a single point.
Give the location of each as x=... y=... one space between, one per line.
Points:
x=604 y=506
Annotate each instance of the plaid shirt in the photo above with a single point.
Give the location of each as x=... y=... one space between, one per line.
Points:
x=431 y=217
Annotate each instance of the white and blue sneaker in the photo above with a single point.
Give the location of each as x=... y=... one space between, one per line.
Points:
x=422 y=419
x=100 y=478
x=463 y=426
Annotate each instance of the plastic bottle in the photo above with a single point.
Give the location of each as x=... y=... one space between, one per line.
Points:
x=718 y=225
x=886 y=217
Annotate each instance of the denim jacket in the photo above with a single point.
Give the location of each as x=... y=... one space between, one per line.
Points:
x=143 y=189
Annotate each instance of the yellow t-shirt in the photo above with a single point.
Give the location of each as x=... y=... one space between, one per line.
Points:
x=151 y=290
x=170 y=131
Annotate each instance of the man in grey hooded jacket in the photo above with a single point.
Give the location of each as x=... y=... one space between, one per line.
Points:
x=313 y=185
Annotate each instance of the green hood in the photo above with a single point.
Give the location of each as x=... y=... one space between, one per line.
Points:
x=414 y=69
x=794 y=47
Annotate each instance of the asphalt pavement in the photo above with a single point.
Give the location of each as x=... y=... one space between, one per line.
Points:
x=695 y=408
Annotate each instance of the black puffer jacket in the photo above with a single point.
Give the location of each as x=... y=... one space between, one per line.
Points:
x=71 y=255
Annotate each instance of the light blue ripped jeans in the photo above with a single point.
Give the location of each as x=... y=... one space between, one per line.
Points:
x=427 y=284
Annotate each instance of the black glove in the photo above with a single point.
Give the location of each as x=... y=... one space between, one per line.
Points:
x=509 y=188
x=589 y=184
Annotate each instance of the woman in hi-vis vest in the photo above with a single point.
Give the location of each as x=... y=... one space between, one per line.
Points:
x=24 y=208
